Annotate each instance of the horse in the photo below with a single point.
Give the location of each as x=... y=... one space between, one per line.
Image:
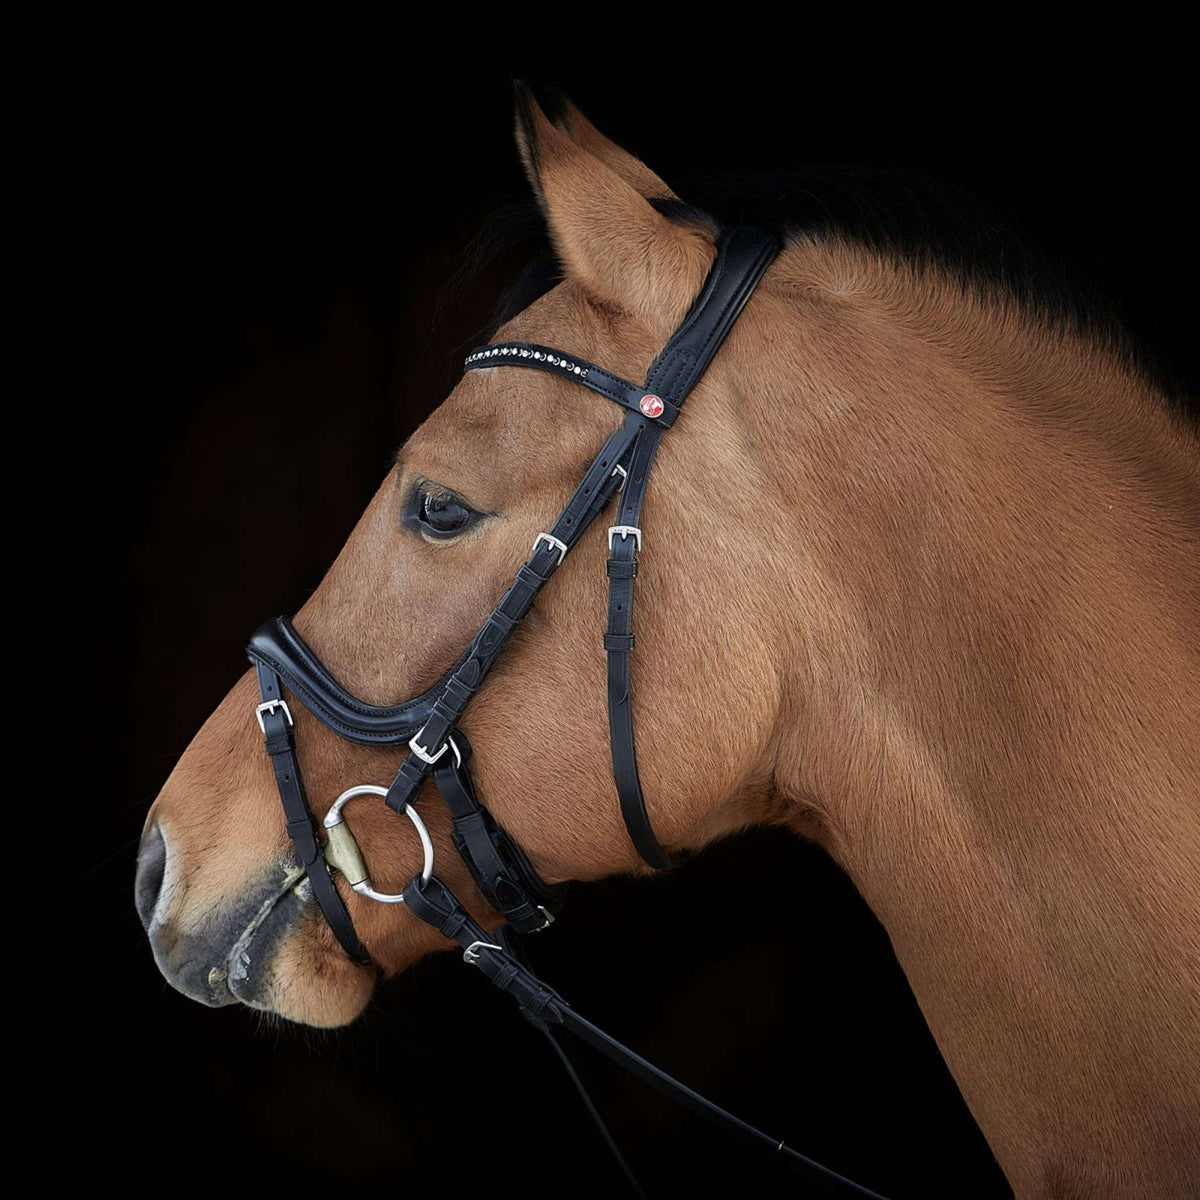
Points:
x=924 y=590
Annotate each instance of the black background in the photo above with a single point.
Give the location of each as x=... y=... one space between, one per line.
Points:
x=241 y=232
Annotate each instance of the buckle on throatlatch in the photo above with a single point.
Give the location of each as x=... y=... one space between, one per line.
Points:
x=625 y=531
x=270 y=706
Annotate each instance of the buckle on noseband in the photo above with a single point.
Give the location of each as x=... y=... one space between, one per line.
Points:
x=550 y=540
x=625 y=531
x=425 y=756
x=269 y=706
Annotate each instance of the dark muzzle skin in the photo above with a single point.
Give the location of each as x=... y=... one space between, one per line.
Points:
x=229 y=958
x=151 y=871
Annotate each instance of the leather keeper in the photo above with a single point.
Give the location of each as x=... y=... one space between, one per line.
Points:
x=408 y=782
x=279 y=743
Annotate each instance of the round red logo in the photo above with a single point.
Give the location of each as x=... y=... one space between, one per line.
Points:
x=652 y=406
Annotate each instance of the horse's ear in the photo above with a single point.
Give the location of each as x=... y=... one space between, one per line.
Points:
x=609 y=237
x=567 y=117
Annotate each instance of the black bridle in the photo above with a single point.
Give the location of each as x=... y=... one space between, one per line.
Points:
x=428 y=724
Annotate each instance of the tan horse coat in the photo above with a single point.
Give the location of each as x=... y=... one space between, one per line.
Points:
x=921 y=581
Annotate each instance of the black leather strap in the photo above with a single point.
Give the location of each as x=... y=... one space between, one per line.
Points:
x=590 y=497
x=498 y=865
x=624 y=544
x=512 y=945
x=435 y=904
x=301 y=828
x=743 y=256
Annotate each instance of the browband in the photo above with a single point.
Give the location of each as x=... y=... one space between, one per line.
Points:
x=743 y=255
x=578 y=370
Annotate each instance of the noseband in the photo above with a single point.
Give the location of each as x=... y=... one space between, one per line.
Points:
x=428 y=723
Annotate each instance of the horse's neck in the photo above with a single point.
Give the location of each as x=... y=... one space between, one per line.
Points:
x=998 y=687
x=997 y=560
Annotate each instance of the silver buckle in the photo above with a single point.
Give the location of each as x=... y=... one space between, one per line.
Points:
x=624 y=474
x=471 y=953
x=550 y=540
x=549 y=918
x=423 y=754
x=625 y=531
x=270 y=706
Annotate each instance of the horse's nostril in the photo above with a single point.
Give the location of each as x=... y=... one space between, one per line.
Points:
x=152 y=866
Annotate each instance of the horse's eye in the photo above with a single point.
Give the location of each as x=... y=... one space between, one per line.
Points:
x=442 y=516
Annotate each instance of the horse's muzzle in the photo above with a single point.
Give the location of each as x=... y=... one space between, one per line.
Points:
x=227 y=953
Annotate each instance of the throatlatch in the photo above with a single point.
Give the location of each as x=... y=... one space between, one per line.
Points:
x=428 y=723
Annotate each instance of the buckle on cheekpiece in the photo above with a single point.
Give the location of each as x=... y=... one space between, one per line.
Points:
x=553 y=542
x=269 y=706
x=424 y=754
x=625 y=531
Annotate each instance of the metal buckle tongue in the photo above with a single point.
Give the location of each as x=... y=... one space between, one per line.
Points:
x=425 y=756
x=554 y=544
x=269 y=706
x=471 y=953
x=625 y=531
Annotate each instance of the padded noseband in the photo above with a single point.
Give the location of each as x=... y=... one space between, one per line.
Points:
x=276 y=644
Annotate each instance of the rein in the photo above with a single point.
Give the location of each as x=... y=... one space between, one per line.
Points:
x=428 y=724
